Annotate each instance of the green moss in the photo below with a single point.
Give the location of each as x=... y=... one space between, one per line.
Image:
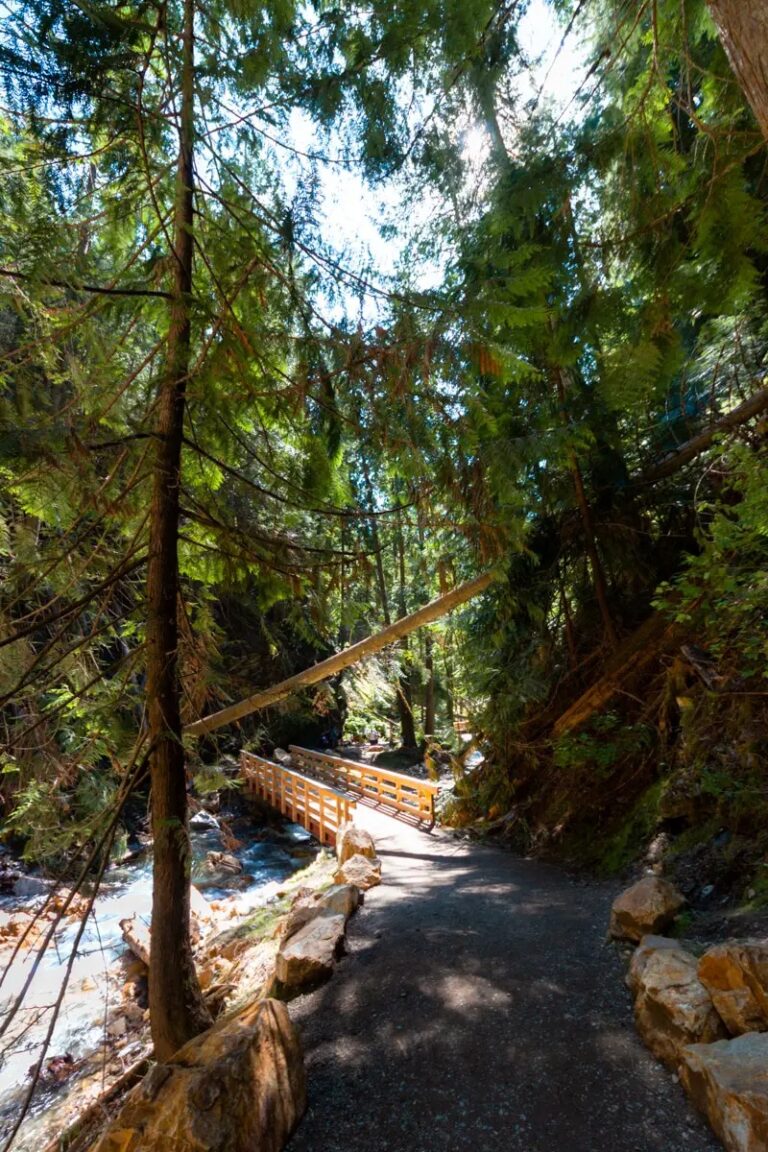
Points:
x=622 y=846
x=759 y=886
x=261 y=923
x=693 y=836
x=682 y=925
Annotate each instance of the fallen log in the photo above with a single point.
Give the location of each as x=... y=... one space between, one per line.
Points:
x=646 y=643
x=348 y=656
x=136 y=936
x=683 y=455
x=81 y=1132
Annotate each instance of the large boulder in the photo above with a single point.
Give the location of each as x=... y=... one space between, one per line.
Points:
x=307 y=957
x=649 y=906
x=728 y=1082
x=361 y=871
x=202 y=821
x=239 y=1087
x=354 y=841
x=643 y=953
x=736 y=976
x=222 y=863
x=672 y=1007
x=340 y=899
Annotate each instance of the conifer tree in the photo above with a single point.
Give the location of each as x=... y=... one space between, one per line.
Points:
x=190 y=272
x=744 y=31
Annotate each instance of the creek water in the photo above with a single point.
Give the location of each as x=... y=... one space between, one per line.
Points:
x=89 y=1015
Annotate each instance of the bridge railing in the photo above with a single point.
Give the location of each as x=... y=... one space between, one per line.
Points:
x=321 y=809
x=406 y=794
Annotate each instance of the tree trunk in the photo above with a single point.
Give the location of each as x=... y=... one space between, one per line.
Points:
x=590 y=539
x=429 y=641
x=343 y=629
x=429 y=688
x=381 y=582
x=327 y=668
x=177 y=1011
x=404 y=710
x=743 y=28
x=404 y=688
x=570 y=631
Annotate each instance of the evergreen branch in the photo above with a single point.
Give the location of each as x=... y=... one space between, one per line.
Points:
x=207 y=519
x=99 y=290
x=336 y=513
x=38 y=670
x=49 y=713
x=327 y=510
x=124 y=569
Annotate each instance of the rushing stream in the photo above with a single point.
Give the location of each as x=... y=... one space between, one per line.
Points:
x=89 y=1018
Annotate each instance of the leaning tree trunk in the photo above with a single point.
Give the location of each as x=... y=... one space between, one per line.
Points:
x=177 y=1011
x=404 y=708
x=435 y=610
x=743 y=28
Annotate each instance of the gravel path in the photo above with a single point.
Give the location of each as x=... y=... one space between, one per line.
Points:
x=479 y=1008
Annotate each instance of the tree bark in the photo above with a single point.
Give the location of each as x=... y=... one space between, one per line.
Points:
x=404 y=688
x=343 y=629
x=327 y=668
x=404 y=710
x=177 y=1011
x=381 y=582
x=743 y=28
x=430 y=718
x=570 y=631
x=585 y=510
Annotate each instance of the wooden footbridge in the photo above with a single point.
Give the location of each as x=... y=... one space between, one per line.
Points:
x=321 y=791
x=323 y=794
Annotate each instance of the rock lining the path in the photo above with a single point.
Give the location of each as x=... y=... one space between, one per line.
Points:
x=238 y=1087
x=648 y=907
x=647 y=947
x=736 y=976
x=361 y=871
x=353 y=841
x=685 y=1008
x=728 y=1082
x=308 y=956
x=672 y=1006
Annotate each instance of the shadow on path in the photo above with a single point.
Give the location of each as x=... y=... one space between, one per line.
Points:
x=479 y=1008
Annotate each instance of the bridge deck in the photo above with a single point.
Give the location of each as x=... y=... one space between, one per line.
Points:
x=393 y=792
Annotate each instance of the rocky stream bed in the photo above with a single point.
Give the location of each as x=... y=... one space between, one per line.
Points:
x=102 y=1029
